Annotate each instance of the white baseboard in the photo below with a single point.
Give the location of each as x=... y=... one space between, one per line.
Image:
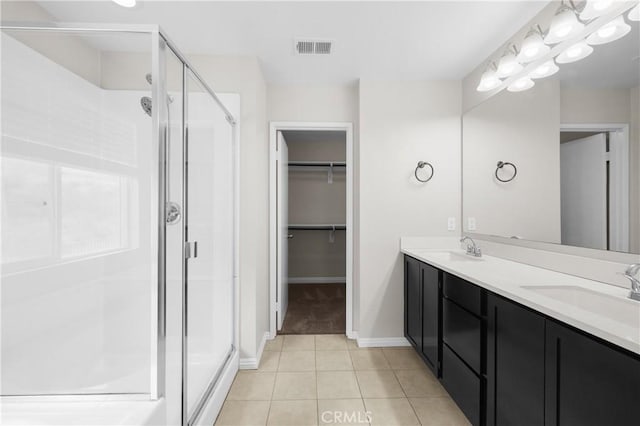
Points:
x=317 y=280
x=382 y=342
x=253 y=363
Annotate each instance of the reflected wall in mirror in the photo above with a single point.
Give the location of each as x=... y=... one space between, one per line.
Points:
x=574 y=139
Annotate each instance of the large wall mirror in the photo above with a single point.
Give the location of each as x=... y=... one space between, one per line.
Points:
x=569 y=153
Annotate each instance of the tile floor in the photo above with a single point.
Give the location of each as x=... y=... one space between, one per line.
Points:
x=327 y=379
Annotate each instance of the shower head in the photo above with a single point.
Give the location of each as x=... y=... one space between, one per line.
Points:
x=146 y=104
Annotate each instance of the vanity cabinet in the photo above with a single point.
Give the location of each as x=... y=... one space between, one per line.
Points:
x=506 y=364
x=588 y=381
x=515 y=364
x=422 y=310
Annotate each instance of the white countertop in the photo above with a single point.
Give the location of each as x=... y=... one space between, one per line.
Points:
x=599 y=309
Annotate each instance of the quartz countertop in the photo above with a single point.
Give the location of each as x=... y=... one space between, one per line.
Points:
x=600 y=309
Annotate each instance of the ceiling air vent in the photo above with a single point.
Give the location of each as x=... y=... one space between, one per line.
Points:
x=312 y=47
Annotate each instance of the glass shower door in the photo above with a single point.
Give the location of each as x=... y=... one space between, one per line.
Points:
x=209 y=244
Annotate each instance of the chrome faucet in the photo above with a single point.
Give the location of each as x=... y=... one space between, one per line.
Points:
x=631 y=273
x=472 y=249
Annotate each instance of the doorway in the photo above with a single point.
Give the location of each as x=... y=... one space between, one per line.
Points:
x=311 y=233
x=594 y=163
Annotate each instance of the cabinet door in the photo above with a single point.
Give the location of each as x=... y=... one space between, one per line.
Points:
x=515 y=364
x=431 y=316
x=589 y=382
x=412 y=302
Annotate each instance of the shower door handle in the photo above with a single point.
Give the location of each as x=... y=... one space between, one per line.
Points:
x=191 y=250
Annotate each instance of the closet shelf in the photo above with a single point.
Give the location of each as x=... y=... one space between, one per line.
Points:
x=317 y=227
x=317 y=164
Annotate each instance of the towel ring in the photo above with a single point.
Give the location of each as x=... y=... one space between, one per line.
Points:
x=501 y=164
x=421 y=165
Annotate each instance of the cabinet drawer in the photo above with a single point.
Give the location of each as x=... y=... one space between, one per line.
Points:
x=462 y=384
x=463 y=293
x=462 y=331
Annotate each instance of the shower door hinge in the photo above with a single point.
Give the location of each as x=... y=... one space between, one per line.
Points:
x=190 y=249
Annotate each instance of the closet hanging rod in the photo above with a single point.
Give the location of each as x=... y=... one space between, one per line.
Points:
x=317 y=227
x=317 y=164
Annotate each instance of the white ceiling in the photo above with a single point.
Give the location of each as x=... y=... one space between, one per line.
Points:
x=372 y=40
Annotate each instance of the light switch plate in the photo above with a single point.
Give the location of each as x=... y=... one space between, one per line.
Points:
x=451 y=224
x=471 y=224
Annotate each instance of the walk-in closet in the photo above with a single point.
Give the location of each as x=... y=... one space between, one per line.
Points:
x=316 y=254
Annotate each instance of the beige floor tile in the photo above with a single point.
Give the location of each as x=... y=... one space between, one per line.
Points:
x=342 y=412
x=252 y=386
x=299 y=343
x=337 y=385
x=419 y=383
x=391 y=412
x=352 y=344
x=274 y=344
x=438 y=412
x=297 y=361
x=294 y=413
x=333 y=360
x=379 y=384
x=403 y=358
x=269 y=361
x=331 y=342
x=369 y=359
x=243 y=413
x=301 y=385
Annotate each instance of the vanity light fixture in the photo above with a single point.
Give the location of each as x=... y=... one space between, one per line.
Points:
x=634 y=14
x=595 y=8
x=574 y=53
x=521 y=84
x=489 y=80
x=533 y=46
x=564 y=24
x=508 y=64
x=610 y=31
x=125 y=3
x=545 y=70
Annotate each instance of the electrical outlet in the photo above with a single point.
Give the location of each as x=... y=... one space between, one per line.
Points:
x=471 y=224
x=451 y=224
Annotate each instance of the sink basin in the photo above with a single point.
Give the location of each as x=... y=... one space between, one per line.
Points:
x=612 y=307
x=455 y=256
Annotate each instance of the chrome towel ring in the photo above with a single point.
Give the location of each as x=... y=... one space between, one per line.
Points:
x=421 y=165
x=501 y=164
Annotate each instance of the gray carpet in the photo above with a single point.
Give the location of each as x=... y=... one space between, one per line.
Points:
x=315 y=309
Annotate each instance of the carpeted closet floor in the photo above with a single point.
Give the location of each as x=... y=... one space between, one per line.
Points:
x=315 y=309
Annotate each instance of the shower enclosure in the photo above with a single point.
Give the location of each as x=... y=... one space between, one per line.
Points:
x=118 y=223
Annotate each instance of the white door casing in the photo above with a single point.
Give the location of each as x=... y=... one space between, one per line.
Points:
x=283 y=228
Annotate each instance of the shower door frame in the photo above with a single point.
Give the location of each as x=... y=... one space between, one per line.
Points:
x=158 y=361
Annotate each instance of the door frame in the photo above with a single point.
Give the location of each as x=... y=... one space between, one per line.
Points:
x=620 y=217
x=274 y=127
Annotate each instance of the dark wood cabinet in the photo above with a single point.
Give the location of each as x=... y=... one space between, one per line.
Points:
x=413 y=302
x=463 y=384
x=515 y=364
x=588 y=381
x=431 y=317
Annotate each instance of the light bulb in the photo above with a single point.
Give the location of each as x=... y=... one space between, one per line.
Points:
x=125 y=3
x=533 y=47
x=521 y=84
x=595 y=8
x=508 y=65
x=574 y=53
x=634 y=14
x=563 y=25
x=545 y=70
x=610 y=31
x=488 y=81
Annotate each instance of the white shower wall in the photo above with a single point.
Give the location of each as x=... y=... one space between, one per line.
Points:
x=76 y=307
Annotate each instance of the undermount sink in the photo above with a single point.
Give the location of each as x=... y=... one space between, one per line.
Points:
x=460 y=256
x=615 y=308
